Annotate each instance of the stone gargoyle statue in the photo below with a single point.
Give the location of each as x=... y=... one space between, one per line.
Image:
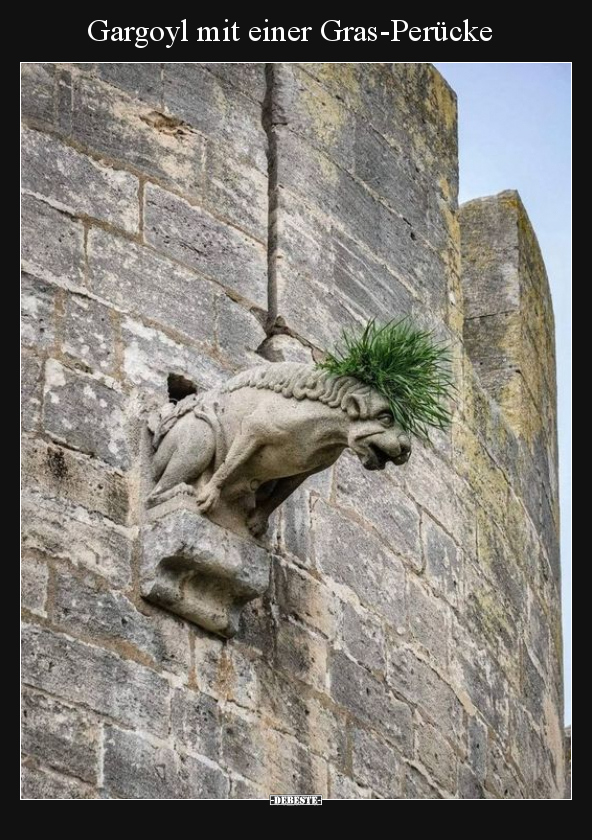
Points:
x=243 y=449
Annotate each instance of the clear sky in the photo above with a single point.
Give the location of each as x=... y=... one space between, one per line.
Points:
x=515 y=133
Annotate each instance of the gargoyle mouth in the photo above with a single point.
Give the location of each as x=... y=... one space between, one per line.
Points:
x=374 y=458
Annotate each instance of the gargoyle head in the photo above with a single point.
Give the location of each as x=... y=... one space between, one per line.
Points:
x=408 y=382
x=374 y=435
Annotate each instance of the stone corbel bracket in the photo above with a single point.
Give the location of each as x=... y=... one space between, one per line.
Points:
x=199 y=570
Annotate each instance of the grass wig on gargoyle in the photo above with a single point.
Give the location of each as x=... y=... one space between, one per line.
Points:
x=405 y=365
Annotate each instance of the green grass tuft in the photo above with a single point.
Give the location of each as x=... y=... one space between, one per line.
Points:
x=405 y=365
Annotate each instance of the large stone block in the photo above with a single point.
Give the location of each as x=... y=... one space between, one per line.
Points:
x=83 y=608
x=414 y=679
x=236 y=190
x=137 y=280
x=218 y=110
x=135 y=768
x=141 y=80
x=274 y=760
x=38 y=312
x=429 y=621
x=196 y=723
x=86 y=414
x=381 y=503
x=37 y=91
x=376 y=764
x=150 y=356
x=61 y=473
x=301 y=595
x=77 y=183
x=369 y=700
x=99 y=679
x=353 y=557
x=238 y=332
x=437 y=755
x=198 y=240
x=53 y=243
x=60 y=735
x=301 y=654
x=59 y=528
x=89 y=334
x=34 y=577
x=363 y=638
x=199 y=570
x=111 y=124
x=45 y=784
x=31 y=391
x=443 y=561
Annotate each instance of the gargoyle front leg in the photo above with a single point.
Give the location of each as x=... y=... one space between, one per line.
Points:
x=242 y=448
x=284 y=488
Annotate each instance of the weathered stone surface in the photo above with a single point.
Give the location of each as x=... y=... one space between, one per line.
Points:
x=239 y=333
x=150 y=356
x=53 y=243
x=71 y=405
x=351 y=208
x=417 y=785
x=61 y=736
x=364 y=572
x=342 y=787
x=62 y=529
x=141 y=80
x=89 y=334
x=387 y=508
x=301 y=595
x=276 y=762
x=196 y=723
x=533 y=687
x=443 y=561
x=478 y=748
x=198 y=240
x=82 y=608
x=34 y=576
x=31 y=391
x=137 y=280
x=38 y=302
x=417 y=681
x=410 y=104
x=37 y=91
x=113 y=125
x=45 y=784
x=220 y=111
x=469 y=786
x=249 y=77
x=436 y=755
x=363 y=638
x=135 y=768
x=236 y=191
x=375 y=763
x=369 y=700
x=59 y=472
x=199 y=570
x=428 y=620
x=78 y=184
x=99 y=679
x=301 y=654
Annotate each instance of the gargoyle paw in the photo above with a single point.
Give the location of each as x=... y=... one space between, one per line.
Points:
x=257 y=524
x=208 y=498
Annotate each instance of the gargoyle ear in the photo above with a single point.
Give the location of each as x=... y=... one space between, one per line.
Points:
x=353 y=405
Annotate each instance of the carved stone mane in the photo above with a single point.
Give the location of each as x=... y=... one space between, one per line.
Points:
x=300 y=381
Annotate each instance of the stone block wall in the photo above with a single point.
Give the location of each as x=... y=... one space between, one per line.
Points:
x=180 y=222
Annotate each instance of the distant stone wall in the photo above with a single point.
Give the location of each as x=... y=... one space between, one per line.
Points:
x=180 y=222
